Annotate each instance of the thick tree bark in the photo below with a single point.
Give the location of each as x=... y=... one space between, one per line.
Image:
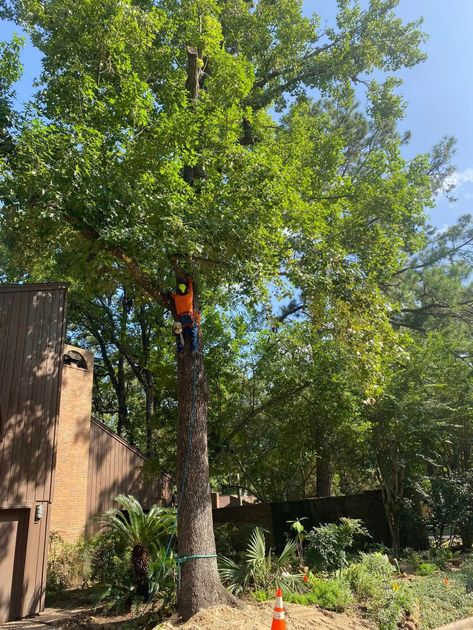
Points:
x=200 y=585
x=324 y=473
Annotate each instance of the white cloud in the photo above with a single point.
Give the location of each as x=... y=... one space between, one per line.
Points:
x=460 y=178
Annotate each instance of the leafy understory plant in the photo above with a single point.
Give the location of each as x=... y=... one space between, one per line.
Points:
x=298 y=528
x=426 y=568
x=369 y=577
x=143 y=533
x=262 y=570
x=328 y=545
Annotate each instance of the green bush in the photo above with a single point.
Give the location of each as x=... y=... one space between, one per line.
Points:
x=110 y=560
x=414 y=558
x=392 y=608
x=440 y=556
x=143 y=536
x=425 y=568
x=262 y=596
x=372 y=581
x=232 y=538
x=129 y=557
x=370 y=576
x=328 y=545
x=67 y=564
x=163 y=577
x=331 y=594
x=304 y=599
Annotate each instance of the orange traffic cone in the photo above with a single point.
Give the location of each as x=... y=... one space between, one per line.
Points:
x=279 y=622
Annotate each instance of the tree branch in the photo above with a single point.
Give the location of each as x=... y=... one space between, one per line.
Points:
x=263 y=407
x=151 y=287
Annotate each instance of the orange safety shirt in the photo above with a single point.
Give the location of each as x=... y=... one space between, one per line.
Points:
x=184 y=302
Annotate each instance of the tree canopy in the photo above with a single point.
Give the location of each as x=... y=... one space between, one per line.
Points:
x=248 y=146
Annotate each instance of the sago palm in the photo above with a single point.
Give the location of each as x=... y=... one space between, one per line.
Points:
x=139 y=531
x=262 y=570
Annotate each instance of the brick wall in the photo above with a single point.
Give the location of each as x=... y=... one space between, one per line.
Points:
x=68 y=516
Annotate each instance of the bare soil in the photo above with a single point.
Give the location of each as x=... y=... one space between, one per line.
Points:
x=75 y=612
x=259 y=617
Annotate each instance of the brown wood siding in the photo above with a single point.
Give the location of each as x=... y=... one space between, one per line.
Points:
x=31 y=348
x=115 y=468
x=31 y=334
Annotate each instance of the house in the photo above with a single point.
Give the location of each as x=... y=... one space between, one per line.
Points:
x=93 y=463
x=58 y=466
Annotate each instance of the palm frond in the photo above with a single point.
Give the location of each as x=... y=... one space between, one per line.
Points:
x=261 y=570
x=256 y=550
x=135 y=526
x=235 y=577
x=288 y=554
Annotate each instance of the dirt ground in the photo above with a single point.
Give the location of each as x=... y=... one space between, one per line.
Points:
x=250 y=616
x=259 y=617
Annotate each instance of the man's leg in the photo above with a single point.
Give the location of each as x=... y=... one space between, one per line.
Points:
x=179 y=344
x=194 y=336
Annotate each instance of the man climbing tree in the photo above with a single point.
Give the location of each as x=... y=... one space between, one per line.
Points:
x=188 y=319
x=152 y=133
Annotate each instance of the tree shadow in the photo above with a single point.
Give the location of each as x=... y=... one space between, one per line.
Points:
x=31 y=334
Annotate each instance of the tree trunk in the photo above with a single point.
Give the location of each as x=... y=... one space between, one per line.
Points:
x=120 y=390
x=323 y=486
x=392 y=509
x=419 y=534
x=200 y=585
x=466 y=534
x=149 y=412
x=140 y=563
x=394 y=530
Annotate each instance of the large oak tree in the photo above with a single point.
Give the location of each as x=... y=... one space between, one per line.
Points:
x=151 y=151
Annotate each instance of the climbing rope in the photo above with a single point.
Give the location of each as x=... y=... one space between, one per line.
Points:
x=182 y=559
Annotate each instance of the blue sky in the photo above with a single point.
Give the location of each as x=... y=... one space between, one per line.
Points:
x=439 y=92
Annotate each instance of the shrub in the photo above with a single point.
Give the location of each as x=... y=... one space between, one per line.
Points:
x=262 y=596
x=368 y=577
x=327 y=545
x=232 y=538
x=425 y=568
x=451 y=506
x=163 y=577
x=440 y=556
x=414 y=558
x=333 y=594
x=392 y=608
x=67 y=564
x=371 y=580
x=261 y=570
x=109 y=560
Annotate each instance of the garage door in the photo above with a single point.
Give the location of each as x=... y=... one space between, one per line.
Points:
x=12 y=558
